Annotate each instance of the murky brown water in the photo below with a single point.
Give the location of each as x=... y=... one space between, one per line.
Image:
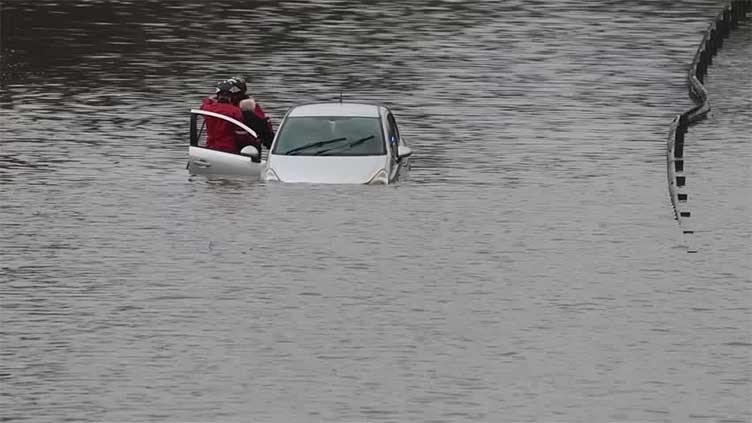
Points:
x=530 y=270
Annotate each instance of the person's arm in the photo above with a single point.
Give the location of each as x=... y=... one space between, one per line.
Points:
x=255 y=117
x=243 y=138
x=268 y=133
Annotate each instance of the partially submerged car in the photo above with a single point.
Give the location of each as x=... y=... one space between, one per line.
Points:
x=338 y=143
x=205 y=161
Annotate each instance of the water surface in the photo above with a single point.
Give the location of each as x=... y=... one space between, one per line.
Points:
x=529 y=270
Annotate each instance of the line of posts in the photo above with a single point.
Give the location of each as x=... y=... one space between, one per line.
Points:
x=712 y=41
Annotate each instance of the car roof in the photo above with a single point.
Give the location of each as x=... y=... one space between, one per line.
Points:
x=336 y=109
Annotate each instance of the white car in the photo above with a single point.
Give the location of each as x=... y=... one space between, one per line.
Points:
x=205 y=161
x=338 y=143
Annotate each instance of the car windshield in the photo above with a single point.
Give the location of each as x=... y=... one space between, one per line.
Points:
x=330 y=136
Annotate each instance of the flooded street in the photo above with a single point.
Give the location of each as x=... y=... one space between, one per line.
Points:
x=530 y=269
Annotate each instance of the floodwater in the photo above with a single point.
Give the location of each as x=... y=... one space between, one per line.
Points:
x=529 y=270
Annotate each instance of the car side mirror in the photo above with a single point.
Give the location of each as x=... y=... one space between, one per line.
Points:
x=404 y=151
x=250 y=151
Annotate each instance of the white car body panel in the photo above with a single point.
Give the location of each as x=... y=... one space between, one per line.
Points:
x=205 y=161
x=327 y=169
x=336 y=109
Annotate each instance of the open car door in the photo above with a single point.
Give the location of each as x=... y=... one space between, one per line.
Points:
x=205 y=161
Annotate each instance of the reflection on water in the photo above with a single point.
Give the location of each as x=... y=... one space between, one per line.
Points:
x=529 y=270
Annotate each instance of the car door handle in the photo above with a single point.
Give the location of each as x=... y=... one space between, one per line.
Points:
x=201 y=163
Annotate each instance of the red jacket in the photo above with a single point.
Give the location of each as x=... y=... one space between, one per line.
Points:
x=222 y=135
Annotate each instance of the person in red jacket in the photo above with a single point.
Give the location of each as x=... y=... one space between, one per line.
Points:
x=220 y=134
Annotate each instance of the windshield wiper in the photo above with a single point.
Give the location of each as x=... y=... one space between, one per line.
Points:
x=347 y=146
x=313 y=144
